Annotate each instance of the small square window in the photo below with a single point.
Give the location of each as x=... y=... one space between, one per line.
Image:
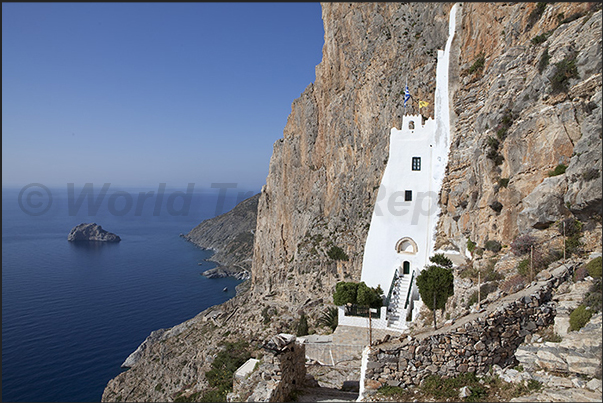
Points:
x=408 y=195
x=416 y=163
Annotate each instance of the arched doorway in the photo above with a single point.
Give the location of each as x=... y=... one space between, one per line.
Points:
x=406 y=267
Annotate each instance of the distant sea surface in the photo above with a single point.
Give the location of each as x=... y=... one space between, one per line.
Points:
x=72 y=313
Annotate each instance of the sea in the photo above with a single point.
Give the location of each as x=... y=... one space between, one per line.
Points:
x=72 y=313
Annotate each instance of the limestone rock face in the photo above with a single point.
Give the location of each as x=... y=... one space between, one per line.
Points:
x=511 y=101
x=91 y=233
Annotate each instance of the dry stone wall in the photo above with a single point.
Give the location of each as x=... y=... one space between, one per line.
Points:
x=474 y=345
x=277 y=376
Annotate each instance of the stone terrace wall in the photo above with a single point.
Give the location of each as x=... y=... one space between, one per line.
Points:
x=473 y=345
x=275 y=378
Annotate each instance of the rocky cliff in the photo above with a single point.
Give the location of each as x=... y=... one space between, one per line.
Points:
x=526 y=95
x=230 y=236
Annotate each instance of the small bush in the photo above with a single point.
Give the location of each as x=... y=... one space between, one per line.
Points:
x=492 y=142
x=544 y=61
x=336 y=253
x=496 y=206
x=579 y=317
x=493 y=246
x=522 y=244
x=569 y=227
x=302 y=326
x=594 y=267
x=538 y=39
x=478 y=64
x=503 y=182
x=535 y=15
x=559 y=170
x=594 y=298
x=513 y=284
x=590 y=174
x=580 y=273
x=571 y=18
x=565 y=70
x=329 y=318
x=523 y=267
x=470 y=245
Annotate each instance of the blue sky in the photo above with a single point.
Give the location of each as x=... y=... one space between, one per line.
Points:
x=140 y=94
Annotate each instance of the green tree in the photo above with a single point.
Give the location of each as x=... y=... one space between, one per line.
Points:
x=345 y=293
x=436 y=284
x=302 y=325
x=368 y=296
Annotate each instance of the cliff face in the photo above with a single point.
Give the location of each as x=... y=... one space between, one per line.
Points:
x=512 y=100
x=325 y=172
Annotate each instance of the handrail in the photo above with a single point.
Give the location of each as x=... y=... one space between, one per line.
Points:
x=391 y=288
x=409 y=289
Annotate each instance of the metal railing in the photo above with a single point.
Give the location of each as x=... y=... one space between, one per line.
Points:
x=409 y=290
x=361 y=311
x=391 y=288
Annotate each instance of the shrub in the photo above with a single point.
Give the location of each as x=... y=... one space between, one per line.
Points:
x=513 y=284
x=503 y=182
x=538 y=39
x=329 y=318
x=492 y=142
x=219 y=377
x=523 y=267
x=336 y=253
x=522 y=244
x=470 y=245
x=496 y=206
x=302 y=325
x=478 y=64
x=559 y=170
x=535 y=15
x=441 y=260
x=572 y=227
x=544 y=60
x=594 y=298
x=493 y=246
x=594 y=267
x=565 y=70
x=579 y=317
x=580 y=273
x=590 y=174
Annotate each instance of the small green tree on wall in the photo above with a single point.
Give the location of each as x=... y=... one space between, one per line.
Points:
x=436 y=284
x=357 y=294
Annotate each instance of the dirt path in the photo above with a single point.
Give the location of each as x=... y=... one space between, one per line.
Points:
x=326 y=395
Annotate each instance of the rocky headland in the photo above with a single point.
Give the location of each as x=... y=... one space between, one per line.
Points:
x=91 y=233
x=231 y=237
x=525 y=156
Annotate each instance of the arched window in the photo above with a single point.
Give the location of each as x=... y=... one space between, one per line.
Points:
x=411 y=125
x=406 y=246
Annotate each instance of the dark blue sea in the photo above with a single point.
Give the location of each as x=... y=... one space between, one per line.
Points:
x=71 y=313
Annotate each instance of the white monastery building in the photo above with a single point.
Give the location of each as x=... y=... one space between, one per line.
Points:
x=401 y=236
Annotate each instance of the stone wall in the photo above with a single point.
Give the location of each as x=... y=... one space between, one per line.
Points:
x=474 y=344
x=279 y=373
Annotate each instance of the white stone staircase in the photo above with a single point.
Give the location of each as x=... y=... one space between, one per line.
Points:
x=397 y=310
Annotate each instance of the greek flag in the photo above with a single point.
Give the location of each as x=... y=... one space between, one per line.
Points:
x=406 y=95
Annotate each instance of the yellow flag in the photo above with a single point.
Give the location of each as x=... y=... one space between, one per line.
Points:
x=423 y=104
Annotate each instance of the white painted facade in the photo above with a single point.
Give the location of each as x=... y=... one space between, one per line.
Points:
x=402 y=232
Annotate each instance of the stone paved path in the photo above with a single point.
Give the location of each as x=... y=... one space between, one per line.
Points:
x=326 y=395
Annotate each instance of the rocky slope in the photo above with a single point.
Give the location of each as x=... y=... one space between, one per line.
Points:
x=231 y=237
x=91 y=233
x=324 y=173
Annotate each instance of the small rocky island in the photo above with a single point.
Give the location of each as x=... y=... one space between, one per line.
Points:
x=91 y=233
